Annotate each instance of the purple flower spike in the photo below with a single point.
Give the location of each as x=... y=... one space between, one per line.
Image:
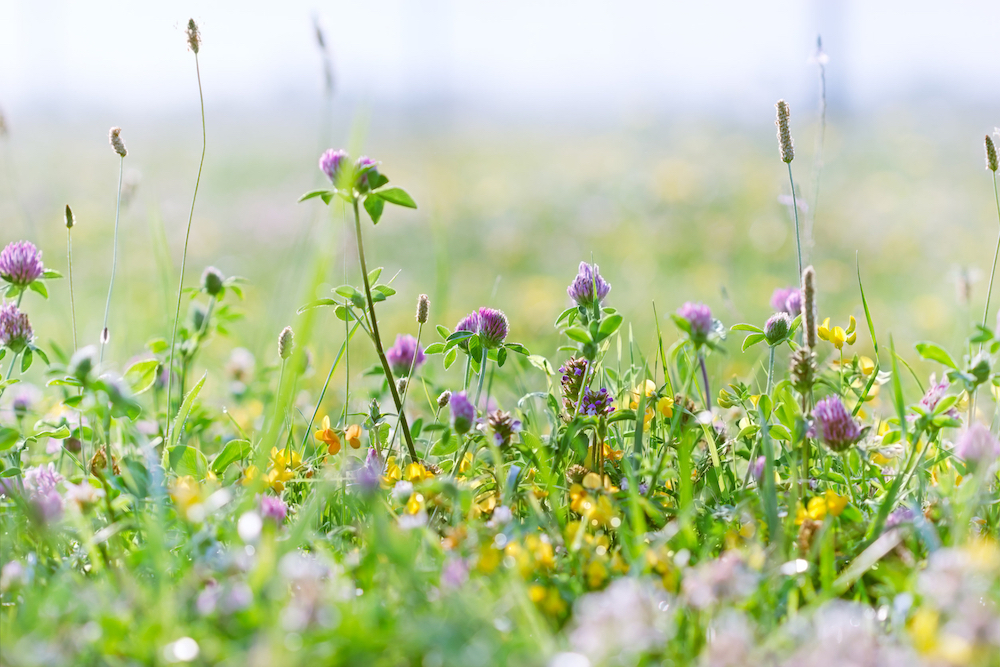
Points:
x=758 y=468
x=273 y=508
x=332 y=163
x=15 y=330
x=835 y=425
x=368 y=475
x=21 y=263
x=463 y=412
x=363 y=162
x=699 y=317
x=404 y=354
x=588 y=287
x=492 y=327
x=978 y=446
x=596 y=403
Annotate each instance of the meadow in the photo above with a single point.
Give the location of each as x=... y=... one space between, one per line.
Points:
x=559 y=395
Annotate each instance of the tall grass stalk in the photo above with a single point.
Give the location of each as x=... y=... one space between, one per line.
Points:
x=187 y=238
x=69 y=263
x=105 y=335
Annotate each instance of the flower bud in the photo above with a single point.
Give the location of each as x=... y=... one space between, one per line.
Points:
x=286 y=342
x=211 y=281
x=776 y=328
x=70 y=220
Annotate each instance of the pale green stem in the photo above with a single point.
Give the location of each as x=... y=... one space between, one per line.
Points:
x=114 y=263
x=187 y=238
x=795 y=212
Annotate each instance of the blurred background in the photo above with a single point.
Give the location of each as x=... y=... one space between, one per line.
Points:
x=532 y=135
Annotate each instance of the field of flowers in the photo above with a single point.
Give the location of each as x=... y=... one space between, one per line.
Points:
x=661 y=411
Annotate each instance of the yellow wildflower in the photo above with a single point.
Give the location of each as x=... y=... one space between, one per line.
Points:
x=597 y=573
x=835 y=503
x=414 y=504
x=466 y=464
x=353 y=435
x=837 y=335
x=250 y=474
x=328 y=436
x=663 y=405
x=392 y=472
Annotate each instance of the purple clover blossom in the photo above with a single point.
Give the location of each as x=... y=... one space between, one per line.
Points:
x=21 y=263
x=15 y=329
x=835 y=425
x=699 y=319
x=777 y=327
x=588 y=287
x=404 y=354
x=493 y=327
x=332 y=163
x=899 y=516
x=363 y=162
x=41 y=483
x=596 y=403
x=787 y=299
x=758 y=468
x=468 y=323
x=933 y=396
x=793 y=304
x=978 y=446
x=463 y=412
x=273 y=508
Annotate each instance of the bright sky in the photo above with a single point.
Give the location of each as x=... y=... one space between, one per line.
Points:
x=517 y=56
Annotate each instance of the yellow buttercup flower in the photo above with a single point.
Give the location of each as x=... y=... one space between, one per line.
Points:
x=393 y=473
x=837 y=335
x=328 y=436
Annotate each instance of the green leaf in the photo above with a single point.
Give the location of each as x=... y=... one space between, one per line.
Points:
x=10 y=472
x=374 y=205
x=141 y=375
x=39 y=286
x=517 y=347
x=608 y=327
x=541 y=363
x=347 y=291
x=396 y=196
x=935 y=352
x=565 y=315
x=235 y=450
x=579 y=334
x=746 y=327
x=374 y=274
x=51 y=274
x=26 y=360
x=501 y=357
x=385 y=290
x=434 y=348
x=60 y=433
x=182 y=415
x=316 y=193
x=752 y=340
x=450 y=358
x=319 y=303
x=157 y=345
x=8 y=436
x=185 y=460
x=864 y=302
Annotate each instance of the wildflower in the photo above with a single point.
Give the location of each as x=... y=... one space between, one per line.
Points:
x=328 y=436
x=286 y=342
x=835 y=425
x=663 y=405
x=186 y=493
x=21 y=264
x=99 y=463
x=12 y=576
x=627 y=618
x=777 y=327
x=726 y=578
x=787 y=299
x=41 y=483
x=698 y=317
x=596 y=403
x=758 y=468
x=503 y=426
x=250 y=475
x=367 y=476
x=784 y=134
x=404 y=354
x=454 y=573
x=588 y=288
x=463 y=413
x=393 y=473
x=575 y=473
x=240 y=365
x=364 y=167
x=492 y=327
x=838 y=336
x=353 y=435
x=212 y=281
x=84 y=495
x=273 y=509
x=933 y=396
x=279 y=460
x=115 y=137
x=332 y=162
x=803 y=368
x=574 y=371
x=978 y=446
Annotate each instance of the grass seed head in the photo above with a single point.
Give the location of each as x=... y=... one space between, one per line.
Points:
x=193 y=36
x=115 y=136
x=784 y=134
x=991 y=154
